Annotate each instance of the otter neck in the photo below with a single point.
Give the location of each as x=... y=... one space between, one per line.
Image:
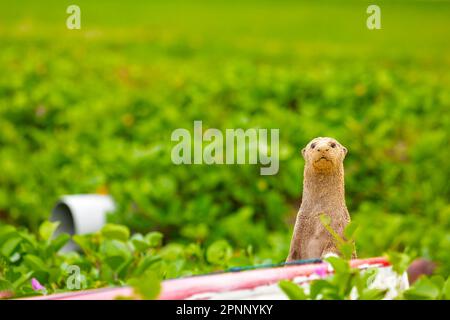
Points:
x=320 y=190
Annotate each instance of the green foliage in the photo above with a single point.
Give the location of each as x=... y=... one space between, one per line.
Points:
x=344 y=283
x=154 y=239
x=400 y=261
x=24 y=256
x=429 y=288
x=293 y=291
x=114 y=231
x=219 y=252
x=109 y=257
x=47 y=229
x=147 y=286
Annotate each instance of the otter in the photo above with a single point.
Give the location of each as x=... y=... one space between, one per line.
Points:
x=323 y=193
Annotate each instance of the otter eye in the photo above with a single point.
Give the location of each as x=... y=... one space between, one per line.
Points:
x=313 y=146
x=333 y=145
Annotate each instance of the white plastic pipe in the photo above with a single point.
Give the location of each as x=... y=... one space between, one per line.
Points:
x=81 y=214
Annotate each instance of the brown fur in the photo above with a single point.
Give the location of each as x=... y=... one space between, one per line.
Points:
x=323 y=193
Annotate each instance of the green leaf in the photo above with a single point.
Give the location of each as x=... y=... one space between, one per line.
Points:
x=399 y=261
x=219 y=252
x=46 y=229
x=59 y=242
x=122 y=269
x=343 y=285
x=339 y=265
x=145 y=263
x=5 y=285
x=292 y=290
x=115 y=254
x=350 y=230
x=139 y=243
x=346 y=250
x=146 y=286
x=366 y=278
x=34 y=263
x=172 y=252
x=422 y=289
x=29 y=240
x=10 y=246
x=22 y=279
x=372 y=294
x=115 y=231
x=83 y=241
x=446 y=290
x=154 y=239
x=318 y=287
x=7 y=232
x=112 y=248
x=438 y=281
x=114 y=262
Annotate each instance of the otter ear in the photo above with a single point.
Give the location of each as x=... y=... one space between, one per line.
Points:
x=345 y=151
x=303 y=152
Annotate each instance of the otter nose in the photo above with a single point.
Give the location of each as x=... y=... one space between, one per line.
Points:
x=323 y=149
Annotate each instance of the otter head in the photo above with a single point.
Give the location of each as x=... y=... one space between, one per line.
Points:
x=324 y=155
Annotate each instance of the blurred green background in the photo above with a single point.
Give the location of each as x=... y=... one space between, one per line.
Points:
x=92 y=110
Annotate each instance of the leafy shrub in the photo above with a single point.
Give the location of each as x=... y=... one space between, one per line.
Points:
x=109 y=257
